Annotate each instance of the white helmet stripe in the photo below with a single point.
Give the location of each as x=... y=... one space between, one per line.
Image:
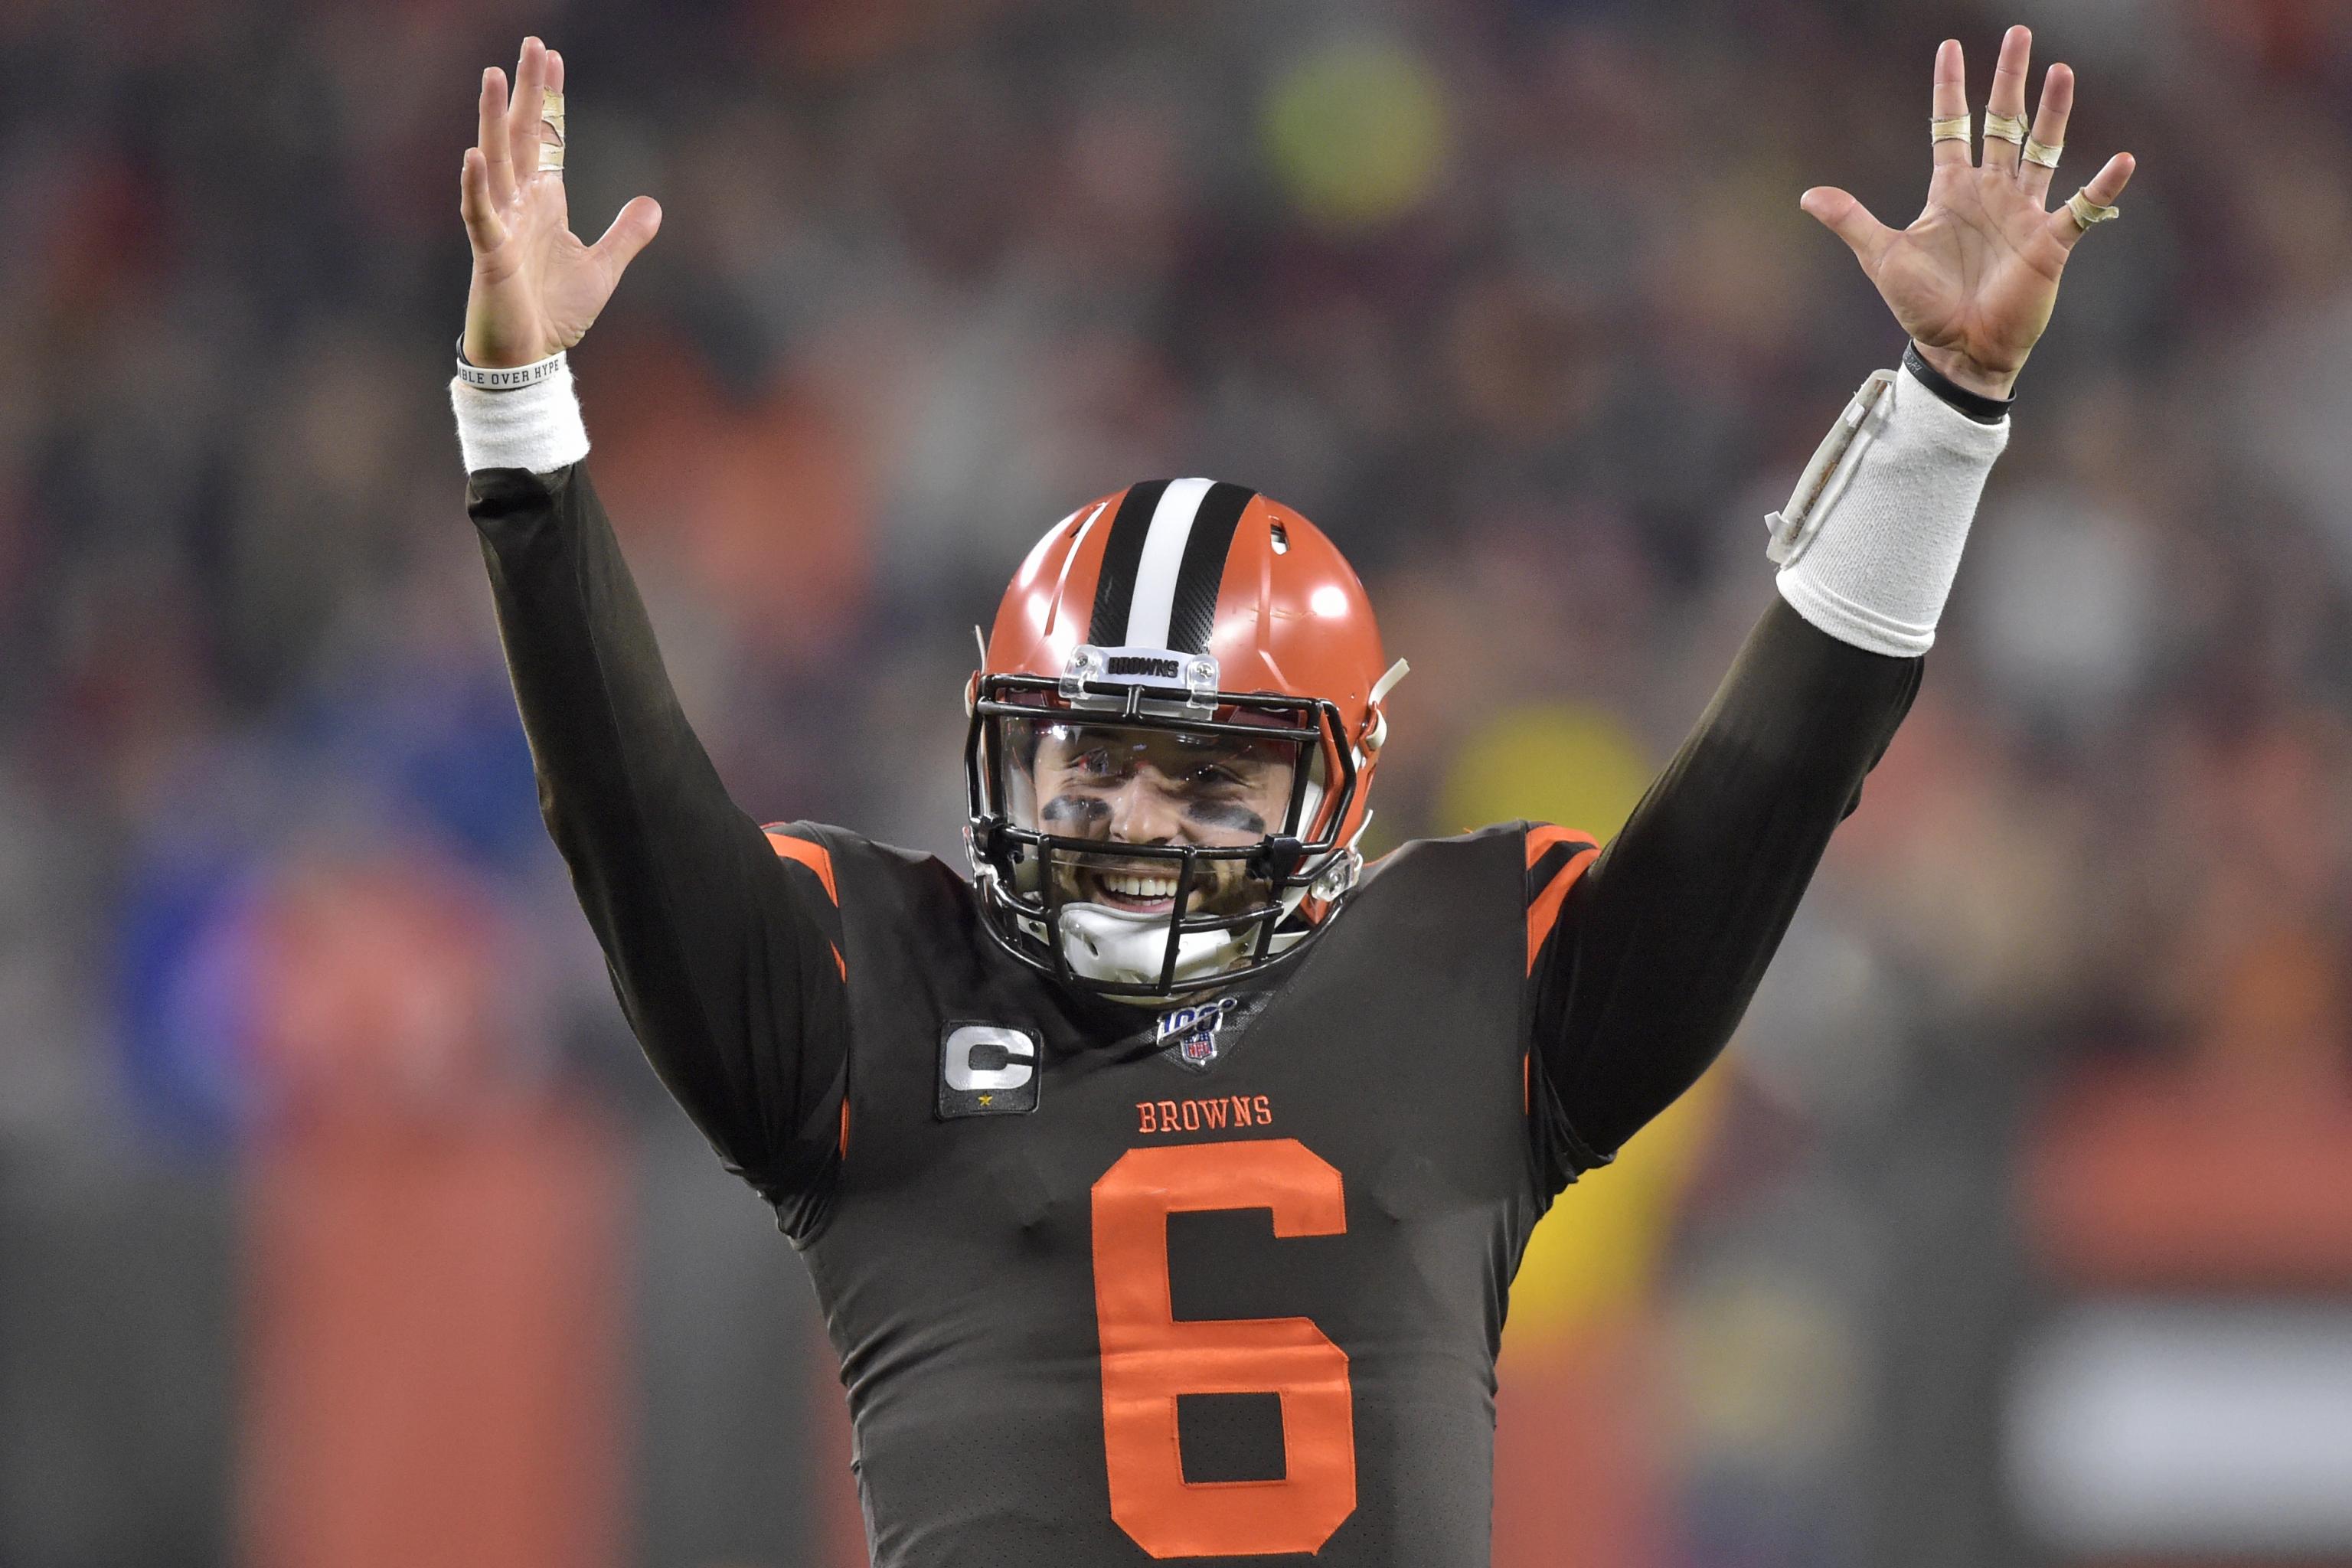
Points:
x=1156 y=574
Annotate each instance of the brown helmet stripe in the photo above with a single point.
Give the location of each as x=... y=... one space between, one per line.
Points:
x=1122 y=554
x=1193 y=617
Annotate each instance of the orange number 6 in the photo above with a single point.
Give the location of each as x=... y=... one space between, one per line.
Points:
x=1149 y=1358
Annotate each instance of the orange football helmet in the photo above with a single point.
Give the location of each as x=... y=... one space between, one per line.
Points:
x=1204 y=610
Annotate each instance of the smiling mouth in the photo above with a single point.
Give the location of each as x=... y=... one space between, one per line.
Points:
x=1150 y=893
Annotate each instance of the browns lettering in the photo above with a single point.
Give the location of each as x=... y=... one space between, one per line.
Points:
x=1204 y=1113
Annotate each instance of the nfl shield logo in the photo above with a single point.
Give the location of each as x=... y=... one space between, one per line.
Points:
x=1190 y=1035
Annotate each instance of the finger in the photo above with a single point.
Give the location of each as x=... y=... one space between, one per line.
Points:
x=2109 y=182
x=1951 y=100
x=1847 y=218
x=633 y=228
x=2008 y=96
x=2049 y=126
x=2104 y=187
x=484 y=231
x=522 y=115
x=550 y=135
x=490 y=135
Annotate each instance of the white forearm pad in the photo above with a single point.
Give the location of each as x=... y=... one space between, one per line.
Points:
x=1880 y=561
x=536 y=428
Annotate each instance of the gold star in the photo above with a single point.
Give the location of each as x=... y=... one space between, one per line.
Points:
x=987 y=1100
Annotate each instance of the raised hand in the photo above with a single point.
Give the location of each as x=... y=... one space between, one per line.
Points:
x=1975 y=276
x=536 y=287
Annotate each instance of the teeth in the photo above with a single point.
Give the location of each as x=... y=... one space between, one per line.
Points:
x=1140 y=887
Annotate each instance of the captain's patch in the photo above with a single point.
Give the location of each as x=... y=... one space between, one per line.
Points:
x=987 y=1069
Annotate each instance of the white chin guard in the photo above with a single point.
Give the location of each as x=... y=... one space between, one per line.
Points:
x=1104 y=943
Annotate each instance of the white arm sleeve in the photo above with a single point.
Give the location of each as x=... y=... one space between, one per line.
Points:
x=536 y=428
x=1880 y=559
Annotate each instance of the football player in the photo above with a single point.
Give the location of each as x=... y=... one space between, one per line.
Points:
x=1162 y=1178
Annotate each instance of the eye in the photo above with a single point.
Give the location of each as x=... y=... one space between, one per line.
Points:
x=1095 y=763
x=1215 y=776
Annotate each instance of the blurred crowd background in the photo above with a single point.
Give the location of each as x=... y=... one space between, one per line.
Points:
x=341 y=1224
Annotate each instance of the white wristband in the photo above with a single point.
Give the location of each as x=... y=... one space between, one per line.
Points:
x=535 y=426
x=1870 y=541
x=506 y=378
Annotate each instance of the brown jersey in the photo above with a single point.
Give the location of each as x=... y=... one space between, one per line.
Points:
x=1216 y=1279
x=1222 y=1278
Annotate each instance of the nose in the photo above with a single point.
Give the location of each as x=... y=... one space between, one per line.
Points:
x=1141 y=813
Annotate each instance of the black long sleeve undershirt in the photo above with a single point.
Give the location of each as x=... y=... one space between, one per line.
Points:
x=1661 y=944
x=720 y=960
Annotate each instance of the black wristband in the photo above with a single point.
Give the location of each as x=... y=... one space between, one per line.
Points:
x=1975 y=405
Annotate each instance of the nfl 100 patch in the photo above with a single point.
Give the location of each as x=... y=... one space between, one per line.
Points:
x=988 y=1069
x=1197 y=1035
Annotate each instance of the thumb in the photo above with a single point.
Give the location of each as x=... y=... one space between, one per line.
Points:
x=633 y=229
x=1847 y=218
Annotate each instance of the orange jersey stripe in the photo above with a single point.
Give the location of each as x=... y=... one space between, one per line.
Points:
x=815 y=858
x=812 y=856
x=1542 y=836
x=1544 y=914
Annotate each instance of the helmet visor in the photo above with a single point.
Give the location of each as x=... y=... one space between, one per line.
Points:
x=1120 y=801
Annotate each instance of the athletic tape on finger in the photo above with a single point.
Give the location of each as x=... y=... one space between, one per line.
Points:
x=551 y=144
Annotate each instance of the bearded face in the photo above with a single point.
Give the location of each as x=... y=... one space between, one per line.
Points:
x=1147 y=786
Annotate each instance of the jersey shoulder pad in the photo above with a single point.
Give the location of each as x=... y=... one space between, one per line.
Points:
x=1541 y=848
x=840 y=859
x=1439 y=857
x=1514 y=871
x=875 y=887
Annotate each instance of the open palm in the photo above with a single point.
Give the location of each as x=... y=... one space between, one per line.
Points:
x=536 y=287
x=1973 y=279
